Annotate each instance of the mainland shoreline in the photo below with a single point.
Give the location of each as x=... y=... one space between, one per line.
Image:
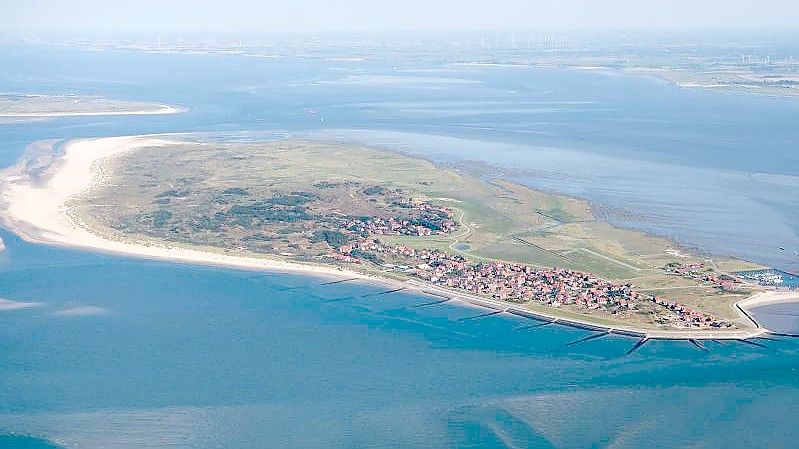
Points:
x=39 y=211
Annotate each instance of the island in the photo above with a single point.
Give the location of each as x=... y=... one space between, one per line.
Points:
x=357 y=212
x=28 y=106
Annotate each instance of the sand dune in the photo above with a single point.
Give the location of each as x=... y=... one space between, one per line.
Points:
x=39 y=211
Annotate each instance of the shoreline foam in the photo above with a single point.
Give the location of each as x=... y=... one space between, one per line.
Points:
x=39 y=212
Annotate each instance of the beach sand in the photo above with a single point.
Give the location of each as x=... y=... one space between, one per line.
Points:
x=769 y=298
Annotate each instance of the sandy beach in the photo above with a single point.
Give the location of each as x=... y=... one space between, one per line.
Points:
x=37 y=209
x=161 y=110
x=768 y=298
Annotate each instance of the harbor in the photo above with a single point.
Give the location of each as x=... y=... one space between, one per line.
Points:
x=771 y=278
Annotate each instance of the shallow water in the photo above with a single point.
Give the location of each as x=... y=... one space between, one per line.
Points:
x=783 y=318
x=197 y=357
x=113 y=352
x=714 y=170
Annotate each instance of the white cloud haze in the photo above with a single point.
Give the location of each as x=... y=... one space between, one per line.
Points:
x=122 y=16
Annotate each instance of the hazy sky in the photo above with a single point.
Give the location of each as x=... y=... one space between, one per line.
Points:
x=302 y=15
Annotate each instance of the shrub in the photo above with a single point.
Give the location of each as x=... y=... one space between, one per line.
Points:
x=333 y=238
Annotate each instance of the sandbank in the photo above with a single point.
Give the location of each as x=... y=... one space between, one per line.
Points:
x=161 y=110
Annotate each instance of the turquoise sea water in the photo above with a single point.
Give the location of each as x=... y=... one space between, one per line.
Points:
x=111 y=352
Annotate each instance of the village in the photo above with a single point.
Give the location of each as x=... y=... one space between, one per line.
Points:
x=427 y=220
x=698 y=271
x=507 y=281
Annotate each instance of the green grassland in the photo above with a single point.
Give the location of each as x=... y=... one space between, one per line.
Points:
x=498 y=219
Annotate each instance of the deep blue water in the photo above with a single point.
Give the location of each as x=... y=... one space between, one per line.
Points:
x=125 y=353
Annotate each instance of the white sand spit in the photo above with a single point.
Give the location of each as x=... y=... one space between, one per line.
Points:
x=7 y=304
x=83 y=311
x=159 y=110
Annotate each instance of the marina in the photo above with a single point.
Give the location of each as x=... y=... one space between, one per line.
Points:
x=771 y=278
